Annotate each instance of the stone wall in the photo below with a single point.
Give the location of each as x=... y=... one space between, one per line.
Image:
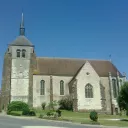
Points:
x=52 y=89
x=103 y=97
x=107 y=100
x=6 y=81
x=37 y=98
x=88 y=75
x=56 y=86
x=33 y=67
x=75 y=98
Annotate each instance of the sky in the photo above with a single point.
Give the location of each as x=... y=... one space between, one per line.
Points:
x=91 y=29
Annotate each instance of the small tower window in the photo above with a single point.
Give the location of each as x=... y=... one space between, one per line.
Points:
x=23 y=53
x=18 y=52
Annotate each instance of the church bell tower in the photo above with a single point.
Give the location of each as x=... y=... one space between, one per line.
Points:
x=16 y=69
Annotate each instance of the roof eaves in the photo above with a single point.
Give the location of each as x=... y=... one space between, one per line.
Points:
x=21 y=45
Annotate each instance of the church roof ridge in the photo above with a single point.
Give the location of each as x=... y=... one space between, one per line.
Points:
x=64 y=58
x=70 y=66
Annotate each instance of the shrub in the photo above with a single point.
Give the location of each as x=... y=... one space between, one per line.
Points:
x=50 y=113
x=59 y=113
x=66 y=103
x=43 y=105
x=17 y=106
x=8 y=112
x=32 y=113
x=94 y=115
x=41 y=115
x=25 y=111
x=55 y=115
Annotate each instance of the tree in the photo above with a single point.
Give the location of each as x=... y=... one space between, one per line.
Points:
x=123 y=97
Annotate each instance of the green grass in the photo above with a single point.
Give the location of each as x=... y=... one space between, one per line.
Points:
x=19 y=112
x=114 y=123
x=84 y=117
x=107 y=123
x=102 y=118
x=70 y=114
x=16 y=113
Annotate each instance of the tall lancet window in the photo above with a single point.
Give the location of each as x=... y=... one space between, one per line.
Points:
x=61 y=87
x=23 y=53
x=42 y=87
x=89 y=91
x=114 y=84
x=18 y=52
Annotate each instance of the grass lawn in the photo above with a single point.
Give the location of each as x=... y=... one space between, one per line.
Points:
x=84 y=117
x=114 y=123
x=19 y=112
x=108 y=123
x=16 y=113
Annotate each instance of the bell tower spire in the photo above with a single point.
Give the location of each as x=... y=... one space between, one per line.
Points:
x=22 y=28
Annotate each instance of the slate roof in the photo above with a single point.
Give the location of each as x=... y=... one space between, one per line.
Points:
x=69 y=67
x=21 y=41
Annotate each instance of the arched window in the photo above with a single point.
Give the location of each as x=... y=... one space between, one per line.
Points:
x=23 y=53
x=88 y=91
x=114 y=84
x=42 y=87
x=18 y=52
x=61 y=87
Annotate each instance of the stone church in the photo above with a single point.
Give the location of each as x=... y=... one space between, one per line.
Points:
x=93 y=84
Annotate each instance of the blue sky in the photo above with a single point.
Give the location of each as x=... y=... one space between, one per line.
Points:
x=69 y=28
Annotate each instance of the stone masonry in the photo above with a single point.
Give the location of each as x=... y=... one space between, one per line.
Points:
x=6 y=81
x=33 y=67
